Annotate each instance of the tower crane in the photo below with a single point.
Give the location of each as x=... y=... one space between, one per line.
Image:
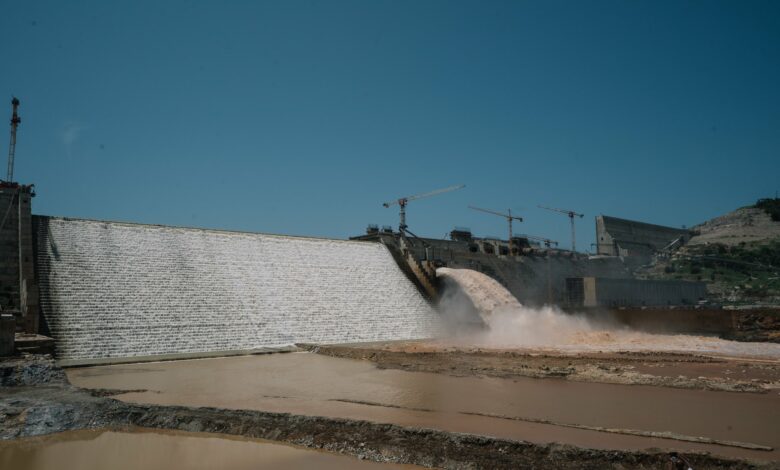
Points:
x=571 y=215
x=15 y=120
x=508 y=216
x=404 y=200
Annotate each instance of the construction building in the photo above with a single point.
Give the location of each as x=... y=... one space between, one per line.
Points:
x=534 y=274
x=629 y=238
x=18 y=290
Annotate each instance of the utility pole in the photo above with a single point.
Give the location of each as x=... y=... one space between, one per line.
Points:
x=15 y=120
x=571 y=215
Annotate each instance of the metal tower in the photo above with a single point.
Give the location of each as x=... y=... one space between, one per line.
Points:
x=15 y=120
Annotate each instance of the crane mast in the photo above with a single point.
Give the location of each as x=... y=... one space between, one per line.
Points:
x=15 y=120
x=508 y=216
x=571 y=215
x=404 y=200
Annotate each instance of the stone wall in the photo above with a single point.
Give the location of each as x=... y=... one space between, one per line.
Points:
x=112 y=289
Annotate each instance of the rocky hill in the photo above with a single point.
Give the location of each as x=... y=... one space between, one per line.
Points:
x=737 y=255
x=745 y=225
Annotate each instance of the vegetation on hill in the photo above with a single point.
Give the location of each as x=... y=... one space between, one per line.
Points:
x=737 y=255
x=738 y=274
x=771 y=206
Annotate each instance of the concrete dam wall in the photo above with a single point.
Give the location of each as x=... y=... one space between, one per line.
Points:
x=113 y=290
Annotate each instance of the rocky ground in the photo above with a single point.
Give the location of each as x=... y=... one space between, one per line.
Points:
x=50 y=404
x=756 y=325
x=745 y=225
x=632 y=368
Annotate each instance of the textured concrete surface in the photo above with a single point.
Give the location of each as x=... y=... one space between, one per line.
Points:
x=622 y=237
x=113 y=289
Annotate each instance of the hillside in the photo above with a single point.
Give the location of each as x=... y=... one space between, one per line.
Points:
x=737 y=255
x=745 y=225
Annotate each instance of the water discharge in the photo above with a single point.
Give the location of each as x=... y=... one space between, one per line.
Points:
x=511 y=325
x=484 y=292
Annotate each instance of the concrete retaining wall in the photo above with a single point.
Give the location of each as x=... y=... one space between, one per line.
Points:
x=622 y=237
x=608 y=292
x=112 y=289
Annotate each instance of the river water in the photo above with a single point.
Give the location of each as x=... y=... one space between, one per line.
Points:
x=166 y=450
x=312 y=384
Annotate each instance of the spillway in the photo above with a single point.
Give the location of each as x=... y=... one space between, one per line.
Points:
x=116 y=290
x=484 y=292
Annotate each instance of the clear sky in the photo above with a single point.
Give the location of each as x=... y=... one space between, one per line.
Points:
x=302 y=117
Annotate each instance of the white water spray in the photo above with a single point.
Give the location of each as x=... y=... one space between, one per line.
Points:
x=510 y=325
x=485 y=293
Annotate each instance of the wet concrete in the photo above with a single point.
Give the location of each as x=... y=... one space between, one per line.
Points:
x=166 y=450
x=316 y=385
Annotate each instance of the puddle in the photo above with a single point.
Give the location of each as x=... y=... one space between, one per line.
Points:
x=167 y=450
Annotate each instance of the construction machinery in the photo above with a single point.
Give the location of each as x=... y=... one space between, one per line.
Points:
x=402 y=227
x=571 y=215
x=547 y=242
x=15 y=120
x=508 y=216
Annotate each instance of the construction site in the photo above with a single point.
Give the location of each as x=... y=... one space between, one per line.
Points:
x=208 y=348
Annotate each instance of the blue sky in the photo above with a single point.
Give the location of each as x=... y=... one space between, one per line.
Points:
x=302 y=117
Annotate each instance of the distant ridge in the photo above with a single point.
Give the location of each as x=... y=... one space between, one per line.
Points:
x=748 y=224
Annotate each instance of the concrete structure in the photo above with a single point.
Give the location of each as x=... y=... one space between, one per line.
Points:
x=7 y=333
x=611 y=292
x=535 y=277
x=18 y=290
x=621 y=237
x=113 y=290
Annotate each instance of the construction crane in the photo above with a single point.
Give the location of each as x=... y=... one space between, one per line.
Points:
x=508 y=216
x=15 y=120
x=404 y=200
x=571 y=215
x=547 y=242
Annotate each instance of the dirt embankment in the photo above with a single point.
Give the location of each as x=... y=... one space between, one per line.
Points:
x=762 y=325
x=634 y=368
x=54 y=406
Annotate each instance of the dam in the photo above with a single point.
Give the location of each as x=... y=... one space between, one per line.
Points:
x=114 y=290
x=373 y=368
x=118 y=291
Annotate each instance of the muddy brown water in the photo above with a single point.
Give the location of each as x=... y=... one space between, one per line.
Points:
x=167 y=450
x=306 y=383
